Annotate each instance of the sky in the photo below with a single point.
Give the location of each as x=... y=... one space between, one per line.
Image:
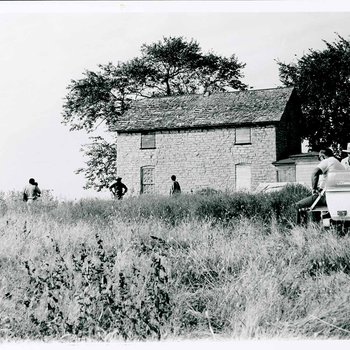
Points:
x=44 y=45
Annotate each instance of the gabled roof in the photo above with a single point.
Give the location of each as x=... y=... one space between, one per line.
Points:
x=200 y=111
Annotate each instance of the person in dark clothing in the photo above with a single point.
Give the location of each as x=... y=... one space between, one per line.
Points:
x=37 y=190
x=118 y=188
x=175 y=187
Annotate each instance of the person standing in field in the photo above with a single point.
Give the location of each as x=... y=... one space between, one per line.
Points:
x=175 y=187
x=31 y=191
x=346 y=161
x=118 y=188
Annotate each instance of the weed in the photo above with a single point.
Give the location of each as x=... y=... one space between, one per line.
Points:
x=82 y=296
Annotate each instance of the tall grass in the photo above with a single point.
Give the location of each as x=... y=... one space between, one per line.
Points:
x=217 y=265
x=218 y=207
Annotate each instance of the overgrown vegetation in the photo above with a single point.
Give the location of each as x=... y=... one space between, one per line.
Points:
x=217 y=207
x=202 y=265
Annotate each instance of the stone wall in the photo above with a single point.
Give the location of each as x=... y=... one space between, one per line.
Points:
x=199 y=158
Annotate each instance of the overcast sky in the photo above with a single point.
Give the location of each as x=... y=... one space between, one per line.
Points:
x=46 y=44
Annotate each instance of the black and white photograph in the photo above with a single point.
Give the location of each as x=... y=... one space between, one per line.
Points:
x=174 y=173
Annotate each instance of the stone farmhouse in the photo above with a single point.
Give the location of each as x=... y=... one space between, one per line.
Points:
x=226 y=141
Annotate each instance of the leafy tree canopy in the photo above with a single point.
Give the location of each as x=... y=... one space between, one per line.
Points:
x=171 y=66
x=322 y=80
x=179 y=67
x=101 y=164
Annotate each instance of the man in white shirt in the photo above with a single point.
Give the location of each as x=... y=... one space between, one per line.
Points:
x=31 y=191
x=318 y=180
x=346 y=161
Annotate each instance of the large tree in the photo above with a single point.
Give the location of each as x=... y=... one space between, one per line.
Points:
x=175 y=66
x=171 y=66
x=322 y=80
x=99 y=98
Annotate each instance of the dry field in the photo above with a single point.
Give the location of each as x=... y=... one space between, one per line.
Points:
x=208 y=265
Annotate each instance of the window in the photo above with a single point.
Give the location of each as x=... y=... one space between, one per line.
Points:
x=147 y=179
x=243 y=136
x=148 y=140
x=243 y=177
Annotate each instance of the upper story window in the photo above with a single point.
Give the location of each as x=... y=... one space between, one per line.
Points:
x=148 y=140
x=243 y=136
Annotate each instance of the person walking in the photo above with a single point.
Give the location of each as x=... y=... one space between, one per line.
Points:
x=175 y=187
x=31 y=191
x=118 y=188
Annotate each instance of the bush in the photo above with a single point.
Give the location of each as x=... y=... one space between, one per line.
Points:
x=264 y=207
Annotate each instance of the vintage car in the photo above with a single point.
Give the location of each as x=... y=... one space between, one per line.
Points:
x=337 y=192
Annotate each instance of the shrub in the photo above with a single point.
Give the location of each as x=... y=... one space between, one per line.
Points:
x=265 y=207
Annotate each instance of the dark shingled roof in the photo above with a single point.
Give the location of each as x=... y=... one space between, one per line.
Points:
x=196 y=111
x=293 y=158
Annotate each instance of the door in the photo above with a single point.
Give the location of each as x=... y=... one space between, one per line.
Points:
x=243 y=177
x=147 y=179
